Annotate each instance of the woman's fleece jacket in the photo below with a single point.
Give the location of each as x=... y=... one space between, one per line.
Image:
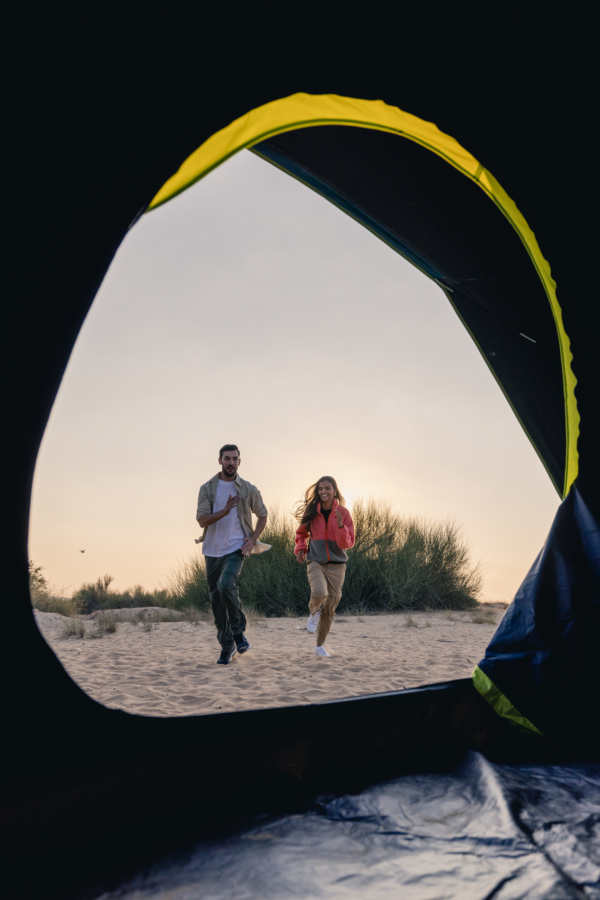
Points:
x=328 y=542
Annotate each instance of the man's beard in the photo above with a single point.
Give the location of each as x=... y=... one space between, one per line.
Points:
x=227 y=472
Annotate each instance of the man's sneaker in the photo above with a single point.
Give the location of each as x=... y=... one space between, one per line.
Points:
x=313 y=622
x=242 y=642
x=226 y=656
x=321 y=651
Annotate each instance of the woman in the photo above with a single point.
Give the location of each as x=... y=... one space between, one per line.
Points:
x=331 y=531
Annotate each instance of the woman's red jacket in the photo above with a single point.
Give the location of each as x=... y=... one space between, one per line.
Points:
x=328 y=542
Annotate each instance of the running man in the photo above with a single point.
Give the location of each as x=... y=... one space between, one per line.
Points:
x=225 y=507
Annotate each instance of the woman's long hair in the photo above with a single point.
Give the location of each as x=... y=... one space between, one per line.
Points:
x=307 y=507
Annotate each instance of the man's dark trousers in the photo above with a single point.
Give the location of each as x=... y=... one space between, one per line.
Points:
x=222 y=573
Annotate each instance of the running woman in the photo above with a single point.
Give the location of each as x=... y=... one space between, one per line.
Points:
x=329 y=526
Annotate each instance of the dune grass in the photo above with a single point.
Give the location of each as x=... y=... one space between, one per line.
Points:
x=107 y=622
x=398 y=564
x=483 y=617
x=74 y=627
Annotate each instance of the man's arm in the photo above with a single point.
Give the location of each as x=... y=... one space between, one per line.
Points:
x=210 y=518
x=250 y=541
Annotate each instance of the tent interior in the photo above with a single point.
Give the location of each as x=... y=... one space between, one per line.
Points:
x=478 y=788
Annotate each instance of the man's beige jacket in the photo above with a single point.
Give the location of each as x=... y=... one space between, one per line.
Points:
x=250 y=502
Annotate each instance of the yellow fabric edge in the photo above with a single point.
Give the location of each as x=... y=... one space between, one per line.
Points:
x=519 y=223
x=308 y=110
x=501 y=704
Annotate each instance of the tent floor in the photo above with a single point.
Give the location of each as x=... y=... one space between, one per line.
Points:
x=162 y=785
x=480 y=830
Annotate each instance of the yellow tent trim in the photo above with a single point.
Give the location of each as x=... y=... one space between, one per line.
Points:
x=306 y=111
x=500 y=703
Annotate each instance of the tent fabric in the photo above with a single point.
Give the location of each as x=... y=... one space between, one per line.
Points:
x=501 y=704
x=93 y=136
x=541 y=667
x=527 y=375
x=480 y=830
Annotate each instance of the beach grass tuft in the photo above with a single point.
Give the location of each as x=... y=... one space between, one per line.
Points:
x=107 y=622
x=74 y=627
x=192 y=615
x=167 y=615
x=483 y=617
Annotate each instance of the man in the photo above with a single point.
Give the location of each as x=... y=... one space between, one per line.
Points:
x=225 y=507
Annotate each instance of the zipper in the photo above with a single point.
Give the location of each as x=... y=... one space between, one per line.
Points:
x=326 y=524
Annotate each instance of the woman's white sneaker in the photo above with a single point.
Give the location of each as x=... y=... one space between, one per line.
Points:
x=313 y=622
x=321 y=651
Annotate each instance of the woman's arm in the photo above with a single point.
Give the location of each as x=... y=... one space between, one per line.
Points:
x=344 y=535
x=301 y=543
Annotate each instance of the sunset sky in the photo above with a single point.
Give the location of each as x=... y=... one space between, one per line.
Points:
x=250 y=310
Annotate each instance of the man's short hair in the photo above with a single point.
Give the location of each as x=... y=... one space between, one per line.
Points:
x=228 y=447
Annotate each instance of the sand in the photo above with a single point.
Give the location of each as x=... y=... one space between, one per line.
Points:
x=170 y=670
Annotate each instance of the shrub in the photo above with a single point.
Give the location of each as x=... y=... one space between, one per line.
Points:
x=398 y=563
x=401 y=563
x=91 y=597
x=44 y=596
x=188 y=587
x=274 y=583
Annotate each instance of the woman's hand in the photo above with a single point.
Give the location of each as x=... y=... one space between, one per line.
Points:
x=301 y=557
x=338 y=516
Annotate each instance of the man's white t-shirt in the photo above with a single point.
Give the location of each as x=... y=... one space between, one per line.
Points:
x=226 y=535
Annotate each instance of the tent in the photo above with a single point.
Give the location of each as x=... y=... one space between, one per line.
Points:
x=482 y=201
x=432 y=202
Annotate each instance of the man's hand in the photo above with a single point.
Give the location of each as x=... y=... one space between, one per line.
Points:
x=338 y=516
x=248 y=545
x=210 y=518
x=232 y=502
x=301 y=557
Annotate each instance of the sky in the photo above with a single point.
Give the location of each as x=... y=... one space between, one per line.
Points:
x=250 y=310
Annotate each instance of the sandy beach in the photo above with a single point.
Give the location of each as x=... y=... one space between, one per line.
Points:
x=169 y=668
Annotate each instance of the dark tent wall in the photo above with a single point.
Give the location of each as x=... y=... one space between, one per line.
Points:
x=100 y=120
x=540 y=668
